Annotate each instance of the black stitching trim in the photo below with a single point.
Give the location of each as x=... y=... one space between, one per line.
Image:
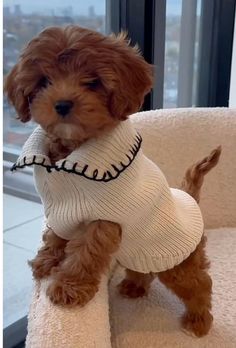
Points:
x=107 y=176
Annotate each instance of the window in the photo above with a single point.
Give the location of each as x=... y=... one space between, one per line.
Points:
x=172 y=47
x=181 y=52
x=190 y=44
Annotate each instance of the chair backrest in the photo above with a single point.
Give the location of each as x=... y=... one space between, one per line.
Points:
x=176 y=138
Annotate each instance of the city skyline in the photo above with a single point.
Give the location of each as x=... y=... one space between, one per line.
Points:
x=79 y=7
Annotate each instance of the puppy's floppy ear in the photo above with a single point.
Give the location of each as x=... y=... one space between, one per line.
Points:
x=133 y=78
x=15 y=93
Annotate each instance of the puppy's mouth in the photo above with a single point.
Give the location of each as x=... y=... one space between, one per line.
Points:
x=67 y=131
x=63 y=131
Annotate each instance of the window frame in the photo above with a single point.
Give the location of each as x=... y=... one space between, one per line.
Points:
x=15 y=333
x=215 y=52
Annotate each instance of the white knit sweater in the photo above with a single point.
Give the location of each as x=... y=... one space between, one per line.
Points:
x=109 y=178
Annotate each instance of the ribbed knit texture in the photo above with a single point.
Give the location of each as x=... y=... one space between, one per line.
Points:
x=160 y=226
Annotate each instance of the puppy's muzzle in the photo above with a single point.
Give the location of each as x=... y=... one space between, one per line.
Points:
x=63 y=107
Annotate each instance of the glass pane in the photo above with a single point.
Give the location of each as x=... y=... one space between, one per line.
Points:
x=173 y=20
x=24 y=19
x=181 y=52
x=196 y=53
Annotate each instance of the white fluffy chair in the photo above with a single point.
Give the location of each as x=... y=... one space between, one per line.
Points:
x=174 y=139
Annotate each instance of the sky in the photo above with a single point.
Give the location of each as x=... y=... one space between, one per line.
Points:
x=79 y=6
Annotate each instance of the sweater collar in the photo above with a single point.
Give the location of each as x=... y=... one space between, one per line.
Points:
x=100 y=159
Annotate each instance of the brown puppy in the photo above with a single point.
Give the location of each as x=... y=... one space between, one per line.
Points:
x=78 y=84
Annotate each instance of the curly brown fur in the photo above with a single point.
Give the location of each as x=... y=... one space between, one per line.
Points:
x=76 y=266
x=194 y=176
x=77 y=278
x=49 y=255
x=189 y=280
x=135 y=284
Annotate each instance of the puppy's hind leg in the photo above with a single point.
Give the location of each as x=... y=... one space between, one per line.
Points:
x=135 y=284
x=191 y=282
x=194 y=176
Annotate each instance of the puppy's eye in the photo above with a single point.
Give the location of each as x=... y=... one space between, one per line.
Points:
x=93 y=84
x=44 y=82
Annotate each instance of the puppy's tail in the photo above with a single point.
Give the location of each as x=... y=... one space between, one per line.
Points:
x=194 y=176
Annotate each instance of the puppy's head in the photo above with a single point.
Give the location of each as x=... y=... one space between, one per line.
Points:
x=75 y=82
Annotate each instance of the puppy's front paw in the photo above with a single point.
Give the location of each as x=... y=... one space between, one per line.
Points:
x=67 y=292
x=42 y=267
x=128 y=288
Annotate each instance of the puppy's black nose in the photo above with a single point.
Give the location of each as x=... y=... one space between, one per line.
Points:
x=63 y=107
